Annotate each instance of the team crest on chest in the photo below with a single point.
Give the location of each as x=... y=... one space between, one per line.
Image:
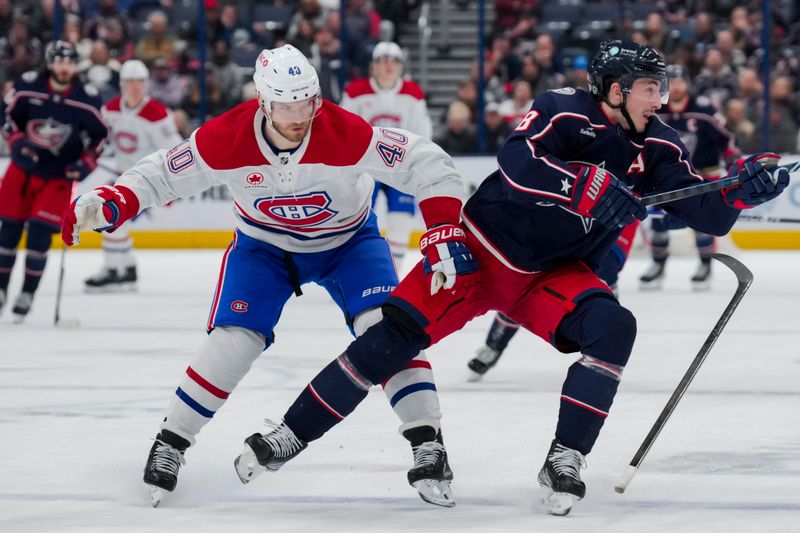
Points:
x=125 y=142
x=48 y=133
x=301 y=210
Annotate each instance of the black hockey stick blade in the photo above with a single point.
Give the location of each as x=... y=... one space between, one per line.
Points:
x=744 y=278
x=702 y=188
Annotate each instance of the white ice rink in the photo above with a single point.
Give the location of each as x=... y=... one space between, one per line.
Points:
x=78 y=410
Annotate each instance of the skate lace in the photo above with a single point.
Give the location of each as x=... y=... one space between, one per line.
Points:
x=427 y=454
x=282 y=440
x=487 y=355
x=566 y=461
x=167 y=459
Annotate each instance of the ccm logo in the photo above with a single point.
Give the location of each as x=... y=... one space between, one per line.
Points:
x=597 y=182
x=443 y=235
x=377 y=290
x=239 y=306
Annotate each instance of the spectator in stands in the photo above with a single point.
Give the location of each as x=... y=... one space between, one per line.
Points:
x=516 y=18
x=42 y=20
x=578 y=74
x=703 y=34
x=497 y=129
x=395 y=11
x=229 y=29
x=190 y=30
x=157 y=42
x=751 y=90
x=514 y=109
x=19 y=51
x=502 y=62
x=304 y=37
x=545 y=54
x=325 y=58
x=95 y=26
x=459 y=138
x=226 y=74
x=71 y=32
x=467 y=94
x=362 y=28
x=165 y=85
x=308 y=10
x=6 y=17
x=744 y=130
x=745 y=35
x=717 y=80
x=120 y=47
x=658 y=34
x=100 y=71
x=786 y=113
x=182 y=123
x=730 y=54
x=538 y=80
x=215 y=99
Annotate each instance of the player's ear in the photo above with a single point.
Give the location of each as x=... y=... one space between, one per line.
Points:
x=615 y=93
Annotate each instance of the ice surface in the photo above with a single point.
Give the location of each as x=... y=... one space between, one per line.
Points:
x=78 y=410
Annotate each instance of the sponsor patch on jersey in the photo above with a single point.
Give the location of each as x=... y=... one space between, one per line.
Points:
x=302 y=210
x=589 y=132
x=48 y=133
x=239 y=306
x=255 y=178
x=377 y=290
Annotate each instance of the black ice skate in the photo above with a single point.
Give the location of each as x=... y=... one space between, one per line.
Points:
x=653 y=278
x=22 y=306
x=163 y=463
x=560 y=479
x=485 y=359
x=431 y=474
x=267 y=451
x=110 y=280
x=701 y=280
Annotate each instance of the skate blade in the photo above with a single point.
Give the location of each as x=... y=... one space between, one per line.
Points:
x=654 y=285
x=701 y=286
x=555 y=503
x=17 y=319
x=115 y=288
x=474 y=377
x=247 y=466
x=435 y=492
x=156 y=495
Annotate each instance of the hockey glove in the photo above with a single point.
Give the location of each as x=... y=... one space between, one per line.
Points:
x=23 y=154
x=758 y=184
x=101 y=209
x=598 y=194
x=448 y=262
x=80 y=169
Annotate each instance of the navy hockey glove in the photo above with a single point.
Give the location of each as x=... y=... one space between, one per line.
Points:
x=448 y=262
x=80 y=169
x=23 y=154
x=758 y=183
x=101 y=209
x=598 y=194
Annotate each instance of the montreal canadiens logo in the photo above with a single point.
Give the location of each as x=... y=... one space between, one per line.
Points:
x=48 y=133
x=125 y=142
x=255 y=178
x=238 y=306
x=298 y=211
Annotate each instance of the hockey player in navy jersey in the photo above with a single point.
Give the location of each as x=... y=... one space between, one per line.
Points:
x=569 y=179
x=55 y=134
x=702 y=130
x=298 y=169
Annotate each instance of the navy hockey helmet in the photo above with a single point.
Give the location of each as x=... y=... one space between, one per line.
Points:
x=63 y=49
x=624 y=62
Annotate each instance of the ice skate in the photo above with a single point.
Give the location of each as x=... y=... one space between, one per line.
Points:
x=109 y=280
x=163 y=463
x=22 y=307
x=485 y=359
x=267 y=451
x=653 y=278
x=701 y=280
x=431 y=474
x=560 y=479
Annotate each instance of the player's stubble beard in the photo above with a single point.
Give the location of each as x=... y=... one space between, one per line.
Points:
x=291 y=131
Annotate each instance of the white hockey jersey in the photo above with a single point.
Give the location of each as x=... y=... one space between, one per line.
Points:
x=311 y=200
x=137 y=132
x=402 y=106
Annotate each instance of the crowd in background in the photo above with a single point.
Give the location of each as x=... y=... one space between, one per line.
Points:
x=534 y=46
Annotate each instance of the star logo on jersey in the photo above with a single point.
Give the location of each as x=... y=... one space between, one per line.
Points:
x=565 y=186
x=301 y=210
x=48 y=133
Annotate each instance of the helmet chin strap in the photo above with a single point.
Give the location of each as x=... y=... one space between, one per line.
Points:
x=623 y=109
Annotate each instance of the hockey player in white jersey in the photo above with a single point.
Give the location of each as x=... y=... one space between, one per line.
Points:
x=300 y=172
x=139 y=125
x=386 y=99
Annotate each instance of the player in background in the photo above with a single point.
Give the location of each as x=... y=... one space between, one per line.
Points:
x=298 y=169
x=385 y=99
x=536 y=227
x=139 y=126
x=702 y=130
x=503 y=328
x=55 y=134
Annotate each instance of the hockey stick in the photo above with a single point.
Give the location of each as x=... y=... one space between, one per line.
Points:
x=66 y=323
x=702 y=188
x=745 y=278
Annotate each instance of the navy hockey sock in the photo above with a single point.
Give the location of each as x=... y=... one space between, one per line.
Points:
x=502 y=331
x=605 y=332
x=10 y=234
x=39 y=239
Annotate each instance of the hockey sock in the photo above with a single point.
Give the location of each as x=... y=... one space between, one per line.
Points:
x=10 y=234
x=39 y=239
x=705 y=245
x=502 y=331
x=118 y=250
x=412 y=394
x=605 y=332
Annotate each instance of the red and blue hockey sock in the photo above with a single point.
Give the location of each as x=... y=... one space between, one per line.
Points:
x=10 y=234
x=39 y=239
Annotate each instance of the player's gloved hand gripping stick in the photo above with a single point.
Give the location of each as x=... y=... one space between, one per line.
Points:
x=101 y=209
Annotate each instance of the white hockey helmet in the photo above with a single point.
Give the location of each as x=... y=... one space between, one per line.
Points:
x=284 y=75
x=387 y=49
x=133 y=69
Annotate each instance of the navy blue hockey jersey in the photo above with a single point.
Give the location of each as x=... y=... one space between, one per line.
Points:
x=702 y=131
x=62 y=126
x=522 y=211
